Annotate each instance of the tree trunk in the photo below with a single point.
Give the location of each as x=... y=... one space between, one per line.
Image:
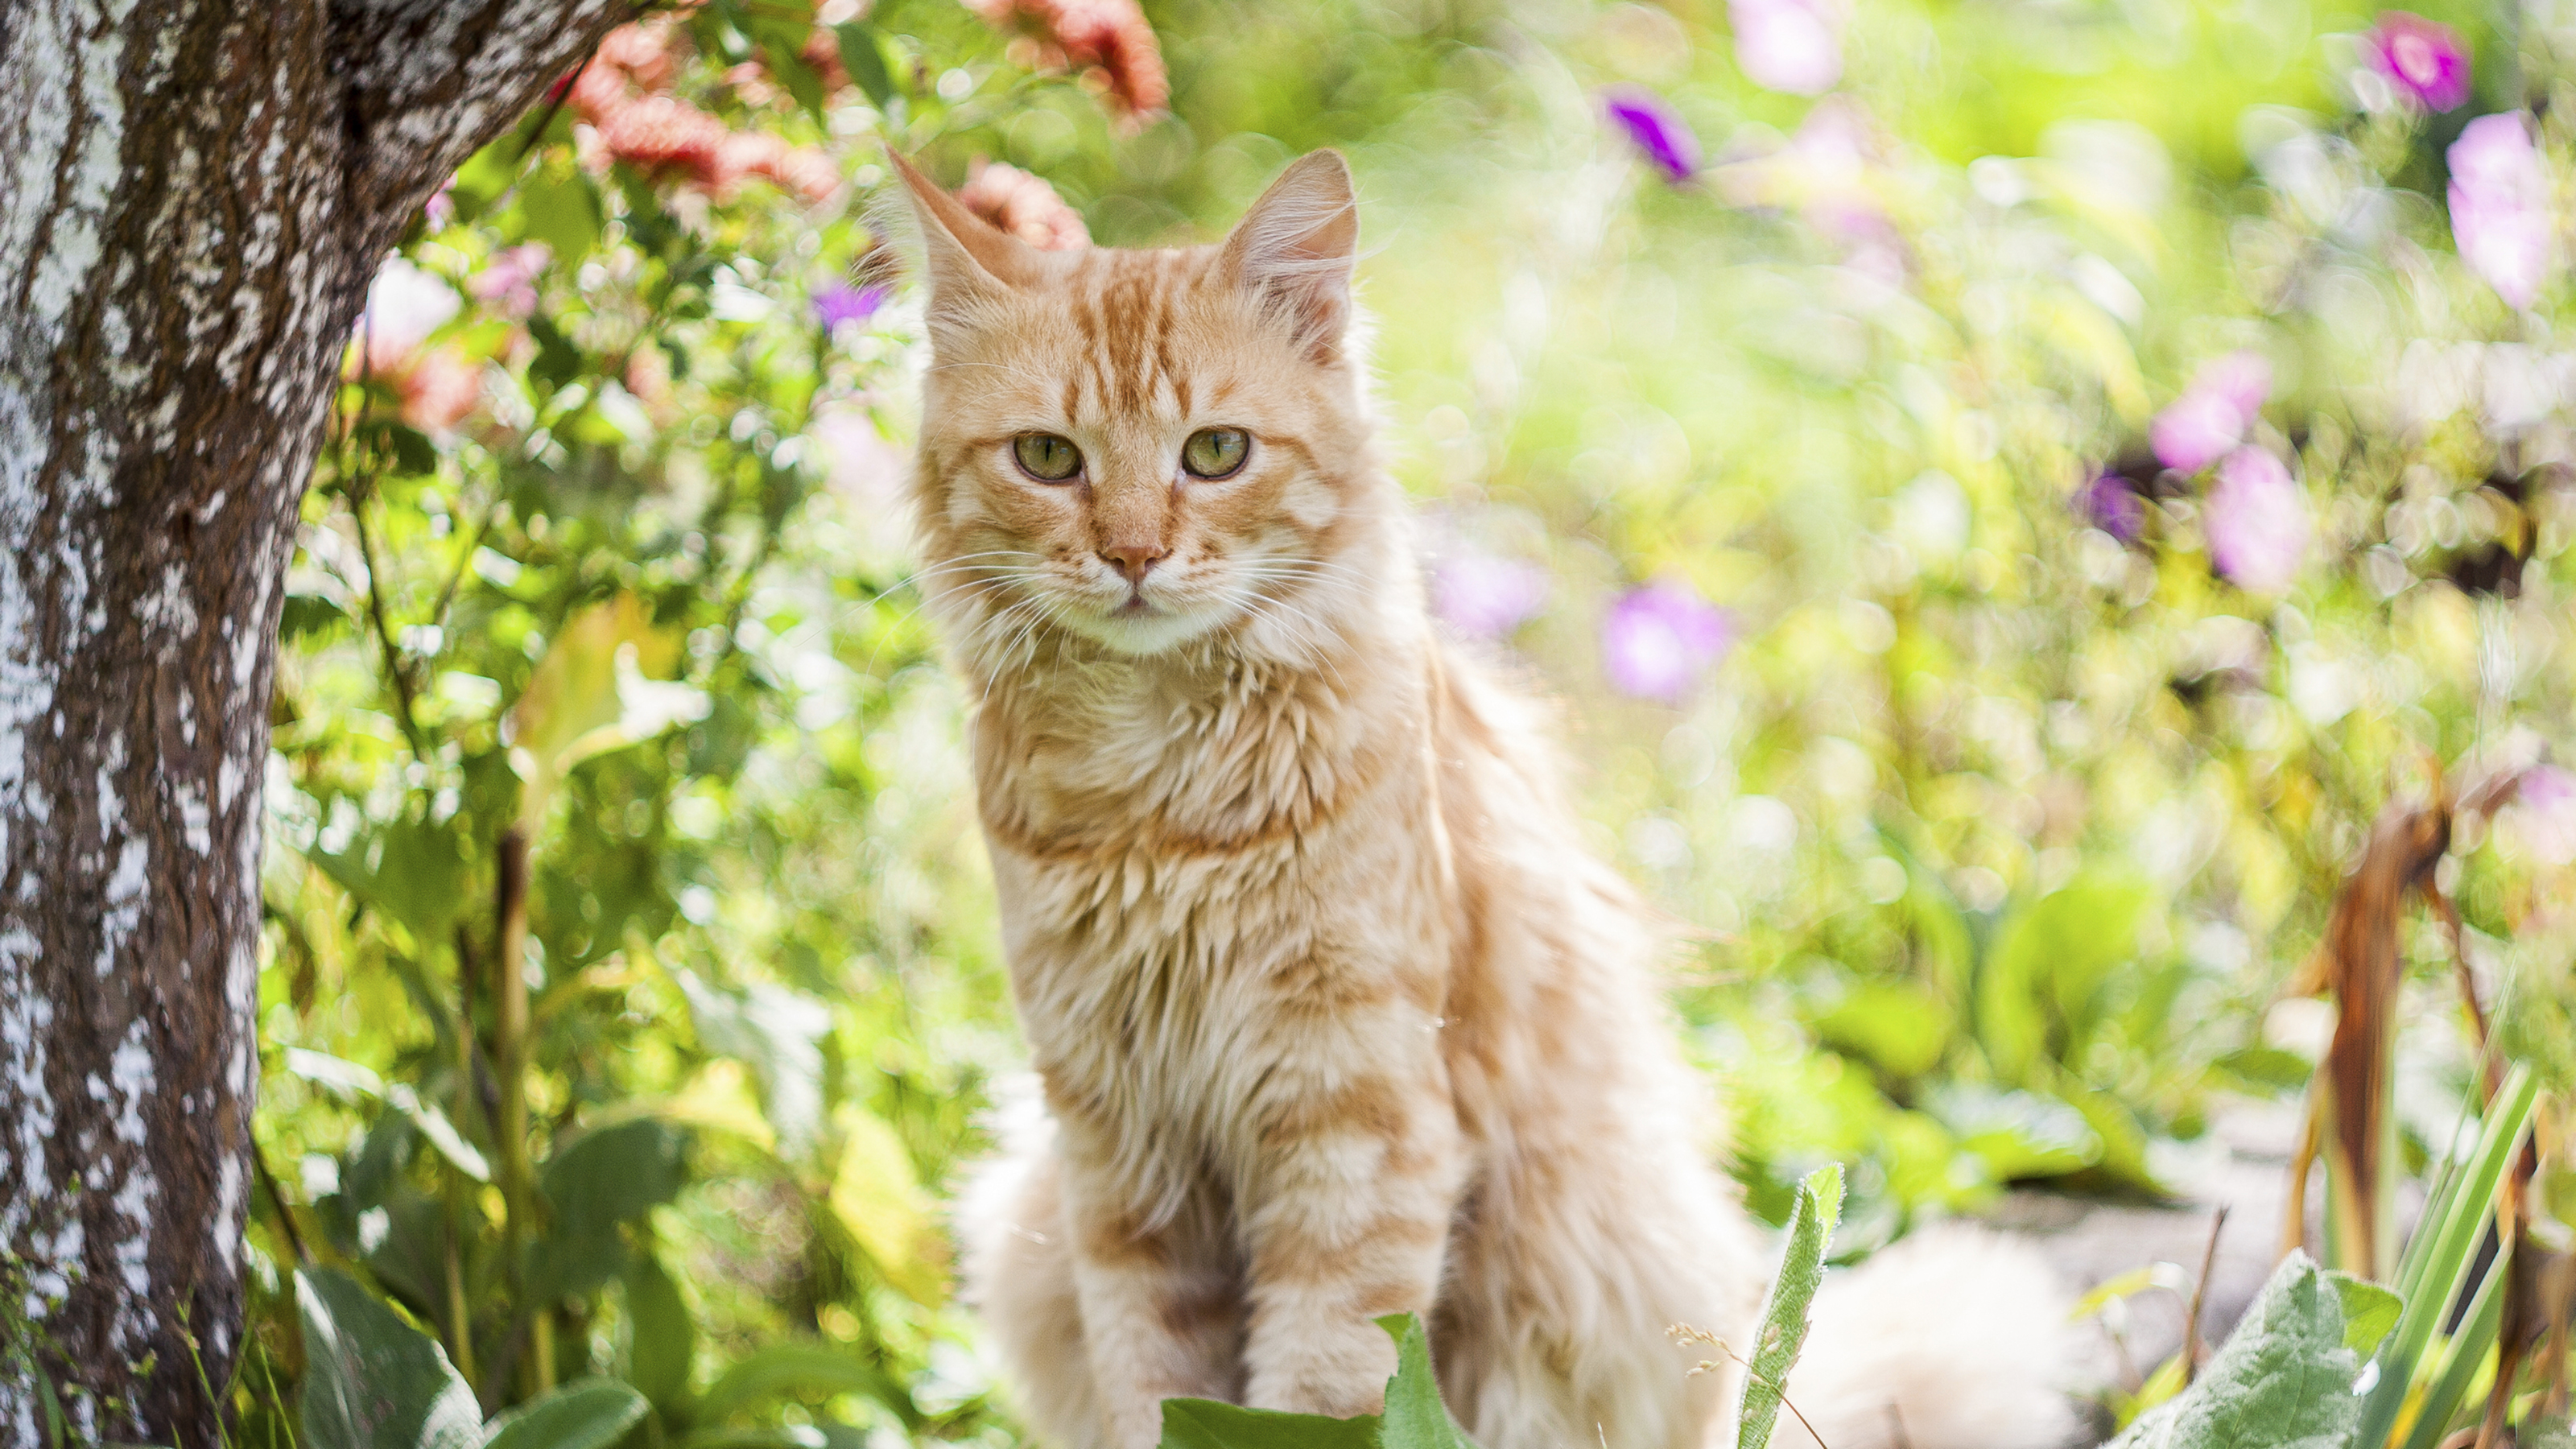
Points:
x=194 y=195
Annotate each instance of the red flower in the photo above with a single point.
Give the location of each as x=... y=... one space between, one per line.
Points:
x=1110 y=37
x=1024 y=206
x=667 y=137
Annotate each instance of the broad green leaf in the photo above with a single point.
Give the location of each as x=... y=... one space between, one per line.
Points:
x=1903 y=1027
x=371 y=1380
x=589 y=694
x=1415 y=1417
x=663 y=1341
x=2053 y=954
x=1783 y=1324
x=2369 y=1311
x=2283 y=1380
x=1208 y=1424
x=616 y=1174
x=587 y=1414
x=797 y=1369
x=2019 y=1134
x=865 y=62
x=561 y=208
x=878 y=1200
x=778 y=1034
x=438 y=1132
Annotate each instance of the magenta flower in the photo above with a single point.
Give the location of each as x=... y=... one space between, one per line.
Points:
x=2110 y=504
x=2212 y=414
x=1486 y=597
x=2547 y=800
x=508 y=283
x=2256 y=519
x=839 y=302
x=1794 y=46
x=2423 y=59
x=1657 y=131
x=2500 y=213
x=1658 y=640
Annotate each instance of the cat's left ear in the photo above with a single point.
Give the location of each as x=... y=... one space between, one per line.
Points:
x=1295 y=248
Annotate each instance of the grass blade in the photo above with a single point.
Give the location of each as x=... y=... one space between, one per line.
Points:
x=2462 y=1359
x=2445 y=1266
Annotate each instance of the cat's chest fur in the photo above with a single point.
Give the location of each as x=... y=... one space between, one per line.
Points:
x=1192 y=873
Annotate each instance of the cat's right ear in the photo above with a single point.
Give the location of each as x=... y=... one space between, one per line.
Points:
x=971 y=262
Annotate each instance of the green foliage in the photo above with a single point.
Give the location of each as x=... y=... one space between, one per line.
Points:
x=1782 y=1323
x=373 y=1381
x=2283 y=1379
x=1415 y=1417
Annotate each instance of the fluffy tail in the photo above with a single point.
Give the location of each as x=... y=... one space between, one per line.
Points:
x=1955 y=1338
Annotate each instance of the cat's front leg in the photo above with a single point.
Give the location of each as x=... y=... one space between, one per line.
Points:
x=1358 y=1181
x=1161 y=1302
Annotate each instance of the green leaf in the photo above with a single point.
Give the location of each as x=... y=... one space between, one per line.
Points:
x=865 y=61
x=664 y=1339
x=1784 y=1309
x=2369 y=1311
x=371 y=1380
x=1901 y=1026
x=616 y=1174
x=2019 y=1134
x=1415 y=1417
x=2054 y=953
x=797 y=1369
x=776 y=1032
x=2432 y=1278
x=791 y=71
x=1208 y=1424
x=585 y=1414
x=561 y=209
x=2283 y=1380
x=2463 y=1359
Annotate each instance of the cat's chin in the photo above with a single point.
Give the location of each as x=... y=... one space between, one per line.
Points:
x=1141 y=633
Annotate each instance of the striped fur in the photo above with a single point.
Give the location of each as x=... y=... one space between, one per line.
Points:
x=1331 y=1015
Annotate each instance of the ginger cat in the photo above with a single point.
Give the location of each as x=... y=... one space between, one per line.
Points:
x=1333 y=1015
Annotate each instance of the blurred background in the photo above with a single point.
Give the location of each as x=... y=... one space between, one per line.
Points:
x=2023 y=506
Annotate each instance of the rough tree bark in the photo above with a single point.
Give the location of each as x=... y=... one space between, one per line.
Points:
x=193 y=197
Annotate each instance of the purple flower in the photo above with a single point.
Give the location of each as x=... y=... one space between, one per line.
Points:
x=1656 y=641
x=2256 y=518
x=2500 y=206
x=1486 y=597
x=2110 y=504
x=1657 y=130
x=1787 y=45
x=2423 y=59
x=839 y=302
x=2212 y=414
x=2547 y=800
x=508 y=283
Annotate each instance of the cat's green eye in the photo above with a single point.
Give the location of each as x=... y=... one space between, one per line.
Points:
x=1046 y=457
x=1216 y=452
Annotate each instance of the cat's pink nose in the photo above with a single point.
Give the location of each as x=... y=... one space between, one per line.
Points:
x=1133 y=559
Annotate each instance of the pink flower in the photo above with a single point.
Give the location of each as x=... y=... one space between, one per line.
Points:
x=1656 y=130
x=2111 y=504
x=1658 y=640
x=2256 y=519
x=508 y=282
x=439 y=389
x=2424 y=60
x=839 y=302
x=2212 y=414
x=2500 y=213
x=2546 y=801
x=1787 y=45
x=1025 y=206
x=1486 y=597
x=404 y=306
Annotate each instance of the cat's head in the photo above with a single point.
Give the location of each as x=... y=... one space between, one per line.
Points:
x=1149 y=450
